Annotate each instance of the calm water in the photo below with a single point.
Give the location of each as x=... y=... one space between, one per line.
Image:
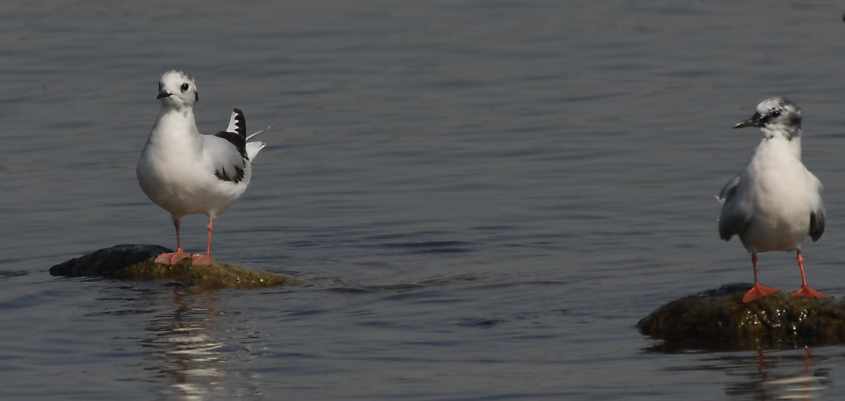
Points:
x=483 y=197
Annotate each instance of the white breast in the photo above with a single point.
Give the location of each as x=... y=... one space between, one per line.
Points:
x=175 y=172
x=782 y=192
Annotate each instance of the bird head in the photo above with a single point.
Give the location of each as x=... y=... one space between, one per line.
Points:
x=775 y=114
x=177 y=89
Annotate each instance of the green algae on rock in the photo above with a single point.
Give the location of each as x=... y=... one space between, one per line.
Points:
x=135 y=262
x=717 y=319
x=217 y=275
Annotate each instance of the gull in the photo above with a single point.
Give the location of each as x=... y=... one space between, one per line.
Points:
x=775 y=203
x=185 y=172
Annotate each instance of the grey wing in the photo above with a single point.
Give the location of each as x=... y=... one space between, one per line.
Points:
x=817 y=215
x=736 y=211
x=224 y=157
x=729 y=186
x=817 y=223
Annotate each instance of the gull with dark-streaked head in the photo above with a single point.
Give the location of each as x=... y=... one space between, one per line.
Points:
x=185 y=172
x=775 y=203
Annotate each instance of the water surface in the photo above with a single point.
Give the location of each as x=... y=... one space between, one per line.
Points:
x=483 y=196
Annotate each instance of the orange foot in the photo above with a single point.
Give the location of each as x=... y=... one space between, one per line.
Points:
x=808 y=292
x=201 y=259
x=756 y=292
x=171 y=258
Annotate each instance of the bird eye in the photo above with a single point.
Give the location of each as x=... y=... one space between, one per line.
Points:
x=184 y=87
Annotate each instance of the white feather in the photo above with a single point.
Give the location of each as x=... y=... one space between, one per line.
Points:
x=252 y=149
x=257 y=133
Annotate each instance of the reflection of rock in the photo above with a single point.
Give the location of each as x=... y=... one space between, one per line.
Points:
x=135 y=262
x=717 y=319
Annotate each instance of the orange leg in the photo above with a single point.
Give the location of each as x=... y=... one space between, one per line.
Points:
x=758 y=290
x=805 y=290
x=172 y=258
x=205 y=260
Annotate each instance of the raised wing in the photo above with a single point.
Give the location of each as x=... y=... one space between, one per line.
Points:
x=235 y=133
x=226 y=150
x=237 y=122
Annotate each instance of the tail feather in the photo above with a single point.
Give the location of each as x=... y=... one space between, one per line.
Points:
x=252 y=148
x=257 y=133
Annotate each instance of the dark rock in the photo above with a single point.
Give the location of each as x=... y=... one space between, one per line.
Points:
x=718 y=320
x=106 y=261
x=136 y=262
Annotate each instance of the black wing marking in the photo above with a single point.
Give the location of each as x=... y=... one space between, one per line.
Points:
x=817 y=224
x=234 y=139
x=235 y=133
x=222 y=174
x=736 y=214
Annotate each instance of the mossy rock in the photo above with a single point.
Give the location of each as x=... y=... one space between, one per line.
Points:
x=136 y=262
x=718 y=320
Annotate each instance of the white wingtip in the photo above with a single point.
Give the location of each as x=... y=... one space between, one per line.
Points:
x=236 y=122
x=252 y=149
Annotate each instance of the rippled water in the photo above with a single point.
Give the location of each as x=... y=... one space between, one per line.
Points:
x=483 y=197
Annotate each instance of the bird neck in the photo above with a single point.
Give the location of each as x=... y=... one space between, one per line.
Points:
x=176 y=127
x=788 y=133
x=180 y=119
x=783 y=139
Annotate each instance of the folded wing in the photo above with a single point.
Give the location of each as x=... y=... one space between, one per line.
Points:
x=736 y=211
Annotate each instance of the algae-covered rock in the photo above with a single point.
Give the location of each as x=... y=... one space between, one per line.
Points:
x=717 y=319
x=136 y=262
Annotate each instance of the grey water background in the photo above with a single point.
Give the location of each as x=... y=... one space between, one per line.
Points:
x=482 y=197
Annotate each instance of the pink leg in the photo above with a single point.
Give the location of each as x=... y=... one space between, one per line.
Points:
x=205 y=260
x=758 y=290
x=805 y=290
x=172 y=258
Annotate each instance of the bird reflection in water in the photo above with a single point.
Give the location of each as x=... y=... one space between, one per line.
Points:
x=187 y=356
x=782 y=377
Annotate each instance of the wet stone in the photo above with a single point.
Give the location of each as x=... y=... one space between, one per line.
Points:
x=136 y=262
x=718 y=320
